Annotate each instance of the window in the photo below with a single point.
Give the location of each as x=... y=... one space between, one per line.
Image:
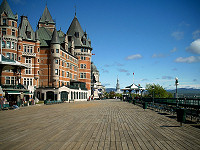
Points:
x=84 y=42
x=7 y=80
x=77 y=34
x=38 y=60
x=63 y=63
x=38 y=49
x=4 y=31
x=13 y=32
x=56 y=71
x=82 y=58
x=19 y=47
x=3 y=44
x=68 y=74
x=28 y=34
x=63 y=54
x=8 y=55
x=10 y=80
x=13 y=23
x=63 y=73
x=28 y=60
x=24 y=48
x=4 y=22
x=83 y=75
x=28 y=71
x=8 y=44
x=83 y=66
x=13 y=45
x=13 y=56
x=52 y=50
x=28 y=81
x=19 y=58
x=67 y=65
x=56 y=61
x=57 y=50
x=31 y=49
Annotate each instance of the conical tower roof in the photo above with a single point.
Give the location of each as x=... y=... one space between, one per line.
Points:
x=6 y=8
x=55 y=39
x=75 y=27
x=46 y=17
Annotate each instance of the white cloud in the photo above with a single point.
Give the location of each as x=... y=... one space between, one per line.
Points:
x=158 y=55
x=173 y=50
x=178 y=35
x=137 y=56
x=194 y=47
x=196 y=34
x=190 y=59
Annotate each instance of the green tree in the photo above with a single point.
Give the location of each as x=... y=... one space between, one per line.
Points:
x=112 y=94
x=157 y=91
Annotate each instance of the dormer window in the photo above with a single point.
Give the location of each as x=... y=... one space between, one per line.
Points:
x=84 y=41
x=77 y=34
x=13 y=24
x=28 y=34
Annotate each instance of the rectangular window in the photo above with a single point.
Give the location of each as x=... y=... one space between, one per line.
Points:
x=63 y=63
x=67 y=65
x=19 y=47
x=8 y=55
x=13 y=32
x=28 y=81
x=57 y=50
x=83 y=75
x=63 y=73
x=82 y=58
x=8 y=44
x=52 y=50
x=13 y=45
x=56 y=71
x=12 y=80
x=7 y=80
x=3 y=44
x=28 y=60
x=56 y=61
x=19 y=58
x=31 y=49
x=28 y=34
x=24 y=48
x=4 y=31
x=13 y=56
x=4 y=22
x=13 y=23
x=68 y=74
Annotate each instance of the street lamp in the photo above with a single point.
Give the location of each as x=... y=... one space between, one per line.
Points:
x=176 y=83
x=153 y=94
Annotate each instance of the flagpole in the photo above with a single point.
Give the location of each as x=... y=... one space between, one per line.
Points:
x=133 y=78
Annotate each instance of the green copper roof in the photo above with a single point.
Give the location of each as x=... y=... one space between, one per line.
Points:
x=60 y=33
x=25 y=27
x=46 y=17
x=6 y=8
x=74 y=28
x=45 y=36
x=55 y=39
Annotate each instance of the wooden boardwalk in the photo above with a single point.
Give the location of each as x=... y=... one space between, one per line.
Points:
x=106 y=124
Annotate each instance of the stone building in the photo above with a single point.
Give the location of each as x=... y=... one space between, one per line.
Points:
x=59 y=64
x=97 y=88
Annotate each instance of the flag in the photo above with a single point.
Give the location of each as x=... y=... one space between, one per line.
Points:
x=93 y=54
x=133 y=73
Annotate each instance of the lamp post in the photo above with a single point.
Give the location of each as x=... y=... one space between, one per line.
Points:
x=176 y=83
x=153 y=94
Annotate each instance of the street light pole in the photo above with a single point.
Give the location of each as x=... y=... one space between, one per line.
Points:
x=176 y=83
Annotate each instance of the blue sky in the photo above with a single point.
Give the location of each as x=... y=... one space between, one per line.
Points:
x=158 y=40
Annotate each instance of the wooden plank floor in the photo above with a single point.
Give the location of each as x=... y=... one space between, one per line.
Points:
x=95 y=125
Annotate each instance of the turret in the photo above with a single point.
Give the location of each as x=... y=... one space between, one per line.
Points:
x=55 y=57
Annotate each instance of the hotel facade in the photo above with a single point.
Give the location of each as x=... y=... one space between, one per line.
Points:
x=58 y=63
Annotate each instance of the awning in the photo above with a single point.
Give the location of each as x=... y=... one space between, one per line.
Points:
x=13 y=92
x=27 y=93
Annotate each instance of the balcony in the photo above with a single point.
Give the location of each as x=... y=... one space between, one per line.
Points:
x=29 y=54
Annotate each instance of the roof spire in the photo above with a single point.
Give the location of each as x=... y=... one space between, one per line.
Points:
x=75 y=9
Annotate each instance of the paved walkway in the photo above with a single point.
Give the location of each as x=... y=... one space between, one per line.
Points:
x=107 y=124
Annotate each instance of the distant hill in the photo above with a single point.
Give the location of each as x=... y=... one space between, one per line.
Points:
x=110 y=89
x=188 y=92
